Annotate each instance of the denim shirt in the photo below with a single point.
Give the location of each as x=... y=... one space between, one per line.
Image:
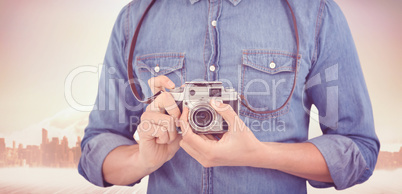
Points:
x=250 y=46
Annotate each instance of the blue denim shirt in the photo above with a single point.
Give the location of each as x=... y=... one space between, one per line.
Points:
x=252 y=46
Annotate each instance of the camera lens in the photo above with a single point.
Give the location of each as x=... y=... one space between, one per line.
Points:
x=202 y=117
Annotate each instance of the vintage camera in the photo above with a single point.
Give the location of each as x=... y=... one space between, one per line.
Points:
x=202 y=118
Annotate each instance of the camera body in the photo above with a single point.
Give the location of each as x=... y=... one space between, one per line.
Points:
x=196 y=95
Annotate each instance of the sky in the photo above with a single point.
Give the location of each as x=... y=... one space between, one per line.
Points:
x=42 y=42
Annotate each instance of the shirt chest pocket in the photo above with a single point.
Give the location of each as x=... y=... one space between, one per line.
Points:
x=153 y=65
x=266 y=83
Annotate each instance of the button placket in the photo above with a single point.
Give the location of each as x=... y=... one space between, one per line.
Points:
x=214 y=12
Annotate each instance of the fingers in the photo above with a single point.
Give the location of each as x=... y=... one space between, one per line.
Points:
x=165 y=101
x=230 y=116
x=149 y=131
x=185 y=127
x=160 y=83
x=225 y=110
x=159 y=123
x=161 y=126
x=173 y=147
x=190 y=139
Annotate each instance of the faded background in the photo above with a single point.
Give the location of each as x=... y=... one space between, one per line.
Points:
x=44 y=41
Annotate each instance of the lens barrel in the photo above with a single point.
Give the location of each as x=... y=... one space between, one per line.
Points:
x=202 y=117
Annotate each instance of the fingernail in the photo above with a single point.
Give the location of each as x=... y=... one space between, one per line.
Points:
x=170 y=84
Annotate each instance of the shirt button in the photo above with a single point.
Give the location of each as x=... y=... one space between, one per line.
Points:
x=212 y=68
x=272 y=65
x=214 y=22
x=157 y=68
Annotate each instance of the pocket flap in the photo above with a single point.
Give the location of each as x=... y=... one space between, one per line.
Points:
x=269 y=61
x=160 y=63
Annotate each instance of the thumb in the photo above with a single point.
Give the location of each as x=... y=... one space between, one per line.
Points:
x=230 y=116
x=225 y=110
x=160 y=83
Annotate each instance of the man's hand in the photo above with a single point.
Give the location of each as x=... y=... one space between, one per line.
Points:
x=158 y=140
x=157 y=131
x=237 y=147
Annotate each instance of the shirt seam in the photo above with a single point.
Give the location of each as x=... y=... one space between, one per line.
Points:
x=318 y=30
x=126 y=33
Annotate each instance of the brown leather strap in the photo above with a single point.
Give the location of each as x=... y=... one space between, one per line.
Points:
x=243 y=99
x=130 y=72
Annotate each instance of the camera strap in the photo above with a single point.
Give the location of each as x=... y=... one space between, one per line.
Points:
x=130 y=71
x=243 y=100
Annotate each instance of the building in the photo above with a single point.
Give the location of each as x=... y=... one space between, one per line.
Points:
x=2 y=151
x=54 y=153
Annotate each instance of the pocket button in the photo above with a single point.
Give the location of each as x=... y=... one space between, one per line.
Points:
x=272 y=65
x=157 y=68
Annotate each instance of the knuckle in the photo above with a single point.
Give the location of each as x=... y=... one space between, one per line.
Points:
x=160 y=99
x=164 y=130
x=142 y=128
x=167 y=96
x=144 y=116
x=164 y=95
x=153 y=108
x=164 y=137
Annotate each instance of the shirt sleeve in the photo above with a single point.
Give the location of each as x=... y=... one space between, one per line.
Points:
x=337 y=88
x=116 y=112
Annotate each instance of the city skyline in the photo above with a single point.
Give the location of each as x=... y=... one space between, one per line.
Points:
x=26 y=144
x=67 y=122
x=53 y=152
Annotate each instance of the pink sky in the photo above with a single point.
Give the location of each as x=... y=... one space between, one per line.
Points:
x=42 y=41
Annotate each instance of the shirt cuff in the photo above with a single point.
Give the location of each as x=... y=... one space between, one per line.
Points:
x=345 y=162
x=95 y=152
